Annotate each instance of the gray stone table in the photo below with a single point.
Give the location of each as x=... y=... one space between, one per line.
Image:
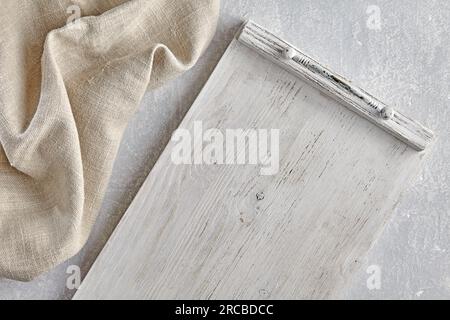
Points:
x=398 y=50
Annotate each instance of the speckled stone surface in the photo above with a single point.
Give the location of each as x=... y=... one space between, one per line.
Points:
x=397 y=50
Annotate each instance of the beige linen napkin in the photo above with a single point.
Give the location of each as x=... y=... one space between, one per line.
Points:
x=66 y=94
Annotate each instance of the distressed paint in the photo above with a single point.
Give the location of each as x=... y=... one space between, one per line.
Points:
x=196 y=231
x=335 y=86
x=405 y=63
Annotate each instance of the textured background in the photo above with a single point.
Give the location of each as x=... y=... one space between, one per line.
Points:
x=404 y=60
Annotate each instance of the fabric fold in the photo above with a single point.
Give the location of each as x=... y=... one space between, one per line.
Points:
x=67 y=92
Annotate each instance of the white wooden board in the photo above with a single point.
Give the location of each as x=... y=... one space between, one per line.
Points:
x=228 y=232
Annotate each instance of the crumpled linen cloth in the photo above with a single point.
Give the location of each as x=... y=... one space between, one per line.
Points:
x=66 y=94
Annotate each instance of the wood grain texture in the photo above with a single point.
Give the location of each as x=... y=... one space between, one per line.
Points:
x=202 y=232
x=336 y=86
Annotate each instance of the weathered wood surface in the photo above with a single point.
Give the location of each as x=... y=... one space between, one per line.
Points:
x=336 y=86
x=200 y=231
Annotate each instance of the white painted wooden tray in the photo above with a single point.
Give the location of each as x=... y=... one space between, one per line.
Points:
x=228 y=232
